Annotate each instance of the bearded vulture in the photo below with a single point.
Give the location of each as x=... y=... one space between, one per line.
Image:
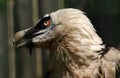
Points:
x=76 y=50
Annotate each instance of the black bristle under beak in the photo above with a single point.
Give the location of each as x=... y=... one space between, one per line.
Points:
x=30 y=50
x=30 y=46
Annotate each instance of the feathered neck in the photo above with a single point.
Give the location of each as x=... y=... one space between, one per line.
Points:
x=70 y=56
x=69 y=47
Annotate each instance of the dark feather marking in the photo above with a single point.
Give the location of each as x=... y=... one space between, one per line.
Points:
x=30 y=46
x=30 y=50
x=104 y=50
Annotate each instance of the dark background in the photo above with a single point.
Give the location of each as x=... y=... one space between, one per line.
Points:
x=16 y=15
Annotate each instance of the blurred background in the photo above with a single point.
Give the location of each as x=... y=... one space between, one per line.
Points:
x=16 y=15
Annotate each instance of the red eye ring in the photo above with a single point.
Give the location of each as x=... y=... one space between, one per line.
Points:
x=47 y=23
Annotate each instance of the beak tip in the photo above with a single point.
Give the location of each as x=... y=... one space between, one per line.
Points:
x=19 y=35
x=14 y=42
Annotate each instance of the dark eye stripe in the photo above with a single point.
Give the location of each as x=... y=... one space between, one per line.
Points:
x=45 y=18
x=40 y=24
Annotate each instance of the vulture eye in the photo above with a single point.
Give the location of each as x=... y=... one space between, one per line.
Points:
x=47 y=23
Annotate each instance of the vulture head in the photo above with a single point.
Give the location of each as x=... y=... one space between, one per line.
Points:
x=75 y=48
x=63 y=25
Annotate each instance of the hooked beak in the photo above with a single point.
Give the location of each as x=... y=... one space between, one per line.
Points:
x=23 y=38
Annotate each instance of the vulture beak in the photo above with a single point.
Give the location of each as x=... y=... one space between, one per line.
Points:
x=24 y=38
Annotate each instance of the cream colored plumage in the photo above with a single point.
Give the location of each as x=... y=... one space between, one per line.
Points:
x=76 y=51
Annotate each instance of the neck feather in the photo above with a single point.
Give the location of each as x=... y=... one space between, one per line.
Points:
x=70 y=49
